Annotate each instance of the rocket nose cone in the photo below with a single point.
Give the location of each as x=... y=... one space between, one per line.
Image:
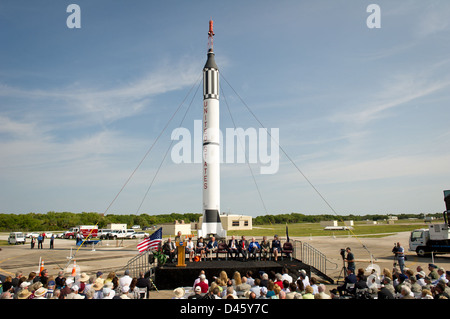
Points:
x=211 y=62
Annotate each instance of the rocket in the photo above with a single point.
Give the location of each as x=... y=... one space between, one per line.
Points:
x=211 y=224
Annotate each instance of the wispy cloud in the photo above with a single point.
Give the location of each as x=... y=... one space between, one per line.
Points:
x=434 y=19
x=33 y=141
x=403 y=91
x=383 y=168
x=396 y=91
x=109 y=104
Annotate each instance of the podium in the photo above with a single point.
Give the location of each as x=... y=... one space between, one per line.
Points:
x=181 y=253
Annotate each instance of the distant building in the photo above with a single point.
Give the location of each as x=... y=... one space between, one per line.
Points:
x=233 y=222
x=333 y=225
x=236 y=222
x=329 y=223
x=172 y=229
x=391 y=220
x=116 y=226
x=428 y=219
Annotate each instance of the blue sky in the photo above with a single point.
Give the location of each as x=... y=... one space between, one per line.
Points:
x=362 y=112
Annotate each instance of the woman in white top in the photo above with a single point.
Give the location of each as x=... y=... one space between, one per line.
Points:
x=190 y=249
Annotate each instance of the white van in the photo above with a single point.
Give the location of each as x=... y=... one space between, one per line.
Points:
x=16 y=238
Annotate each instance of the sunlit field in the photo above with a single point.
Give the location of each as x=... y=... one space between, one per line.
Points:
x=315 y=229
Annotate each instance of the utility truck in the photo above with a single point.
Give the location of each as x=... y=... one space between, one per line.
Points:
x=85 y=230
x=435 y=239
x=121 y=233
x=117 y=231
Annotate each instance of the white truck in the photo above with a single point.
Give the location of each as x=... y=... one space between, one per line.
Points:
x=117 y=231
x=121 y=233
x=16 y=238
x=435 y=239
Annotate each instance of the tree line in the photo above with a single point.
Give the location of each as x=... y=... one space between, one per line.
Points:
x=53 y=221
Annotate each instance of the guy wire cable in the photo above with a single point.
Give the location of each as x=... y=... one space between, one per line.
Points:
x=242 y=146
x=168 y=149
x=293 y=163
x=139 y=164
x=164 y=157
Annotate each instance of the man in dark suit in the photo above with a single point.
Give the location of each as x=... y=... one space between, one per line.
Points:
x=143 y=282
x=232 y=248
x=211 y=247
x=243 y=248
x=349 y=283
x=170 y=249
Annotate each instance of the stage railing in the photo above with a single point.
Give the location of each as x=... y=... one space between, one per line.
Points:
x=141 y=263
x=311 y=256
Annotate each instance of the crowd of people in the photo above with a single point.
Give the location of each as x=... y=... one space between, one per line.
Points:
x=395 y=284
x=432 y=283
x=262 y=285
x=387 y=285
x=400 y=283
x=82 y=286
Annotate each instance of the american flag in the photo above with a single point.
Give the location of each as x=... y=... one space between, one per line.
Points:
x=151 y=242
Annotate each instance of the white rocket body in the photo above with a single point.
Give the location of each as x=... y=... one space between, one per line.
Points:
x=211 y=224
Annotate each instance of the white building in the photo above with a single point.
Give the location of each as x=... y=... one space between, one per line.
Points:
x=234 y=222
x=116 y=226
x=172 y=229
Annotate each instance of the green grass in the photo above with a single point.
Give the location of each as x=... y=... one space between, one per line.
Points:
x=314 y=229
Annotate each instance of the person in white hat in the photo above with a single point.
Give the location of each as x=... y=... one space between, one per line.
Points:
x=40 y=293
x=197 y=293
x=125 y=292
x=84 y=278
x=24 y=294
x=108 y=291
x=69 y=282
x=98 y=288
x=179 y=293
x=74 y=294
x=22 y=287
x=25 y=284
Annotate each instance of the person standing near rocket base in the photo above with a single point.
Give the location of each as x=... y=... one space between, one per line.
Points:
x=211 y=224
